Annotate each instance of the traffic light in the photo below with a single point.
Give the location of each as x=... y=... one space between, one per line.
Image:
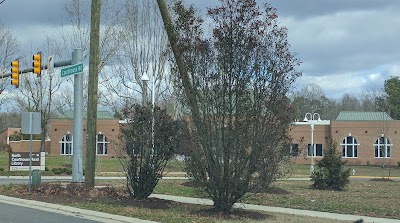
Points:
x=15 y=73
x=37 y=64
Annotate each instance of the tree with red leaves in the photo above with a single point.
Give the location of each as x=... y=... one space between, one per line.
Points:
x=235 y=83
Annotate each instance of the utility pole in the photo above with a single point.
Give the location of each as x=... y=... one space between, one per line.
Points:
x=94 y=61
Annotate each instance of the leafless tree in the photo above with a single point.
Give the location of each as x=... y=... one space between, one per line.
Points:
x=37 y=94
x=144 y=51
x=74 y=33
x=9 y=48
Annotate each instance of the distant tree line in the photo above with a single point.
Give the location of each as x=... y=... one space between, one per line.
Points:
x=312 y=98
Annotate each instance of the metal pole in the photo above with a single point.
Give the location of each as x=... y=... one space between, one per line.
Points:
x=77 y=143
x=152 y=112
x=144 y=93
x=312 y=149
x=30 y=151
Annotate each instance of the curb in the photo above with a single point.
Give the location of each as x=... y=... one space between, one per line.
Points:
x=318 y=214
x=71 y=211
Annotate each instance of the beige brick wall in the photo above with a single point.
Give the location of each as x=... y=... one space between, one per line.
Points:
x=365 y=132
x=60 y=127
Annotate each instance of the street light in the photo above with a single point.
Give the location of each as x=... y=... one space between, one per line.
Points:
x=311 y=118
x=145 y=80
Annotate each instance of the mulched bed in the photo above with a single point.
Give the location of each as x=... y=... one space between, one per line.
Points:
x=77 y=193
x=66 y=194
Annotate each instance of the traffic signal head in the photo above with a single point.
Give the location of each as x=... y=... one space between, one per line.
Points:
x=15 y=73
x=37 y=64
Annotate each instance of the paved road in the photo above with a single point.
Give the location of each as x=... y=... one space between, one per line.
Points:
x=16 y=210
x=16 y=214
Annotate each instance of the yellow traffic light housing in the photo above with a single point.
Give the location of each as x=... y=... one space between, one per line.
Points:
x=37 y=64
x=15 y=73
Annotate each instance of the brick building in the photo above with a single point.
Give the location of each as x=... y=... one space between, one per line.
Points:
x=60 y=136
x=363 y=138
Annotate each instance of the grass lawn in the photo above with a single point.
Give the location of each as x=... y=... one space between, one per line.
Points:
x=107 y=200
x=370 y=198
x=303 y=170
x=108 y=164
x=103 y=164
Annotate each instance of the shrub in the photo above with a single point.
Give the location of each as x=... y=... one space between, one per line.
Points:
x=147 y=148
x=59 y=171
x=330 y=172
x=5 y=147
x=67 y=171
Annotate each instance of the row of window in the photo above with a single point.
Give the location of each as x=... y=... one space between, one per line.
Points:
x=67 y=149
x=350 y=146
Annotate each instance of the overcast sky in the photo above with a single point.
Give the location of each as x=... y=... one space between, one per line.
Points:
x=346 y=46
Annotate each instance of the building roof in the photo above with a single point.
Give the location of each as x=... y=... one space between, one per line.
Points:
x=100 y=115
x=363 y=116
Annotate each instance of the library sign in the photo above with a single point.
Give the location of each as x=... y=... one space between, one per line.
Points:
x=19 y=159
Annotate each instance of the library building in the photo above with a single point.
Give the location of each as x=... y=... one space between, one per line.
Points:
x=362 y=138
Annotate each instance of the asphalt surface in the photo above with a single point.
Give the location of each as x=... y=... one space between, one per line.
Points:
x=12 y=214
x=35 y=211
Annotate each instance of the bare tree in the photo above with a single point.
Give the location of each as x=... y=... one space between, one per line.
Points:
x=9 y=48
x=74 y=33
x=144 y=51
x=36 y=95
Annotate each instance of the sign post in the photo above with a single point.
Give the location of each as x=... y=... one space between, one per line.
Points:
x=31 y=124
x=77 y=142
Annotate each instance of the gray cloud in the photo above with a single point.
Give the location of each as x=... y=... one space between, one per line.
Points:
x=27 y=12
x=345 y=46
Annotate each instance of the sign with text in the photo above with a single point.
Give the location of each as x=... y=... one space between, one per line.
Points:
x=73 y=69
x=22 y=159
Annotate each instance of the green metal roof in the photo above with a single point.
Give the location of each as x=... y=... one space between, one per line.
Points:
x=363 y=116
x=100 y=115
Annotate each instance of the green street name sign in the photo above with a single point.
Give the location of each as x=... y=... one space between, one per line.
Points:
x=73 y=69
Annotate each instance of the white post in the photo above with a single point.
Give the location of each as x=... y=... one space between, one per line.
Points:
x=152 y=121
x=312 y=149
x=312 y=120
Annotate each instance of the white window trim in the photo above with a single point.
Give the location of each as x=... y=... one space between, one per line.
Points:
x=315 y=150
x=386 y=145
x=103 y=143
x=65 y=145
x=346 y=144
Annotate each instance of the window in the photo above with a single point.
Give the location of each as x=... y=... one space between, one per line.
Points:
x=382 y=147
x=349 y=147
x=101 y=145
x=66 y=145
x=317 y=150
x=293 y=150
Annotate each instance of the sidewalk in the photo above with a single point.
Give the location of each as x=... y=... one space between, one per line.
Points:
x=318 y=214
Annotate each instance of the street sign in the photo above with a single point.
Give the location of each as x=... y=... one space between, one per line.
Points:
x=73 y=69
